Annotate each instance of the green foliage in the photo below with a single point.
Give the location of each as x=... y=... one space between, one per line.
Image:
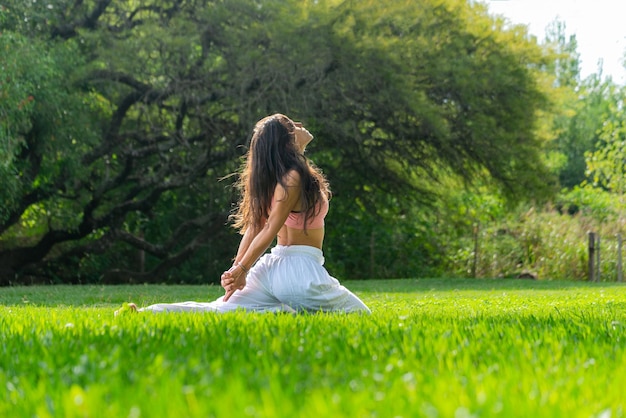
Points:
x=431 y=347
x=545 y=243
x=566 y=66
x=592 y=202
x=387 y=242
x=42 y=121
x=579 y=108
x=579 y=129
x=550 y=242
x=105 y=195
x=433 y=110
x=399 y=95
x=605 y=165
x=432 y=120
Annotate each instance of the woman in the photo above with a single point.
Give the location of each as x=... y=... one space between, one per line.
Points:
x=283 y=197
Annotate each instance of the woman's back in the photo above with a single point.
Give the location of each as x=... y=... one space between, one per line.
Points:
x=292 y=236
x=295 y=232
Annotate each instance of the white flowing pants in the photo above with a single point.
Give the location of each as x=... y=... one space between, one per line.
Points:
x=288 y=279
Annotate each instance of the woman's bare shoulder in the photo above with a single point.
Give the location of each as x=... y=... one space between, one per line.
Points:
x=292 y=179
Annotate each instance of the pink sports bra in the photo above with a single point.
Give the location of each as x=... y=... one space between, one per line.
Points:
x=296 y=219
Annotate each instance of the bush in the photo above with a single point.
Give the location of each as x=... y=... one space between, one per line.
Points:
x=549 y=241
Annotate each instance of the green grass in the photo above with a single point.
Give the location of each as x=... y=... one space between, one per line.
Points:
x=432 y=348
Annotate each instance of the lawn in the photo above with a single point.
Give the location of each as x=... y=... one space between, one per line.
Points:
x=431 y=348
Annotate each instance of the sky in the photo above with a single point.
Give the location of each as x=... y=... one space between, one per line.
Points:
x=599 y=26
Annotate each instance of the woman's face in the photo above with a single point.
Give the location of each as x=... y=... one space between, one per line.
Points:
x=302 y=136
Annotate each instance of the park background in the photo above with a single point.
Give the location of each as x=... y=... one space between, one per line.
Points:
x=460 y=147
x=457 y=144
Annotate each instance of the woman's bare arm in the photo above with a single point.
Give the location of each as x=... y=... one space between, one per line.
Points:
x=246 y=239
x=248 y=254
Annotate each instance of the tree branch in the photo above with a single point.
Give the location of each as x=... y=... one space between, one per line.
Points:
x=158 y=273
x=89 y=21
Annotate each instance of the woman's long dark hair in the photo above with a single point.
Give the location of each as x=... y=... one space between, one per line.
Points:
x=271 y=155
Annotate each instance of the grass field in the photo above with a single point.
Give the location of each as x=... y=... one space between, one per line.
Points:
x=431 y=348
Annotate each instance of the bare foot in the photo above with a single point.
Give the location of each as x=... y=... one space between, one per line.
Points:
x=126 y=308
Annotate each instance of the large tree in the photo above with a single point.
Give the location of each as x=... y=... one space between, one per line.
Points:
x=396 y=93
x=143 y=77
x=581 y=106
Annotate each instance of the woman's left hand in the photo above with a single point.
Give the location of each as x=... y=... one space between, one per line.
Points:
x=232 y=280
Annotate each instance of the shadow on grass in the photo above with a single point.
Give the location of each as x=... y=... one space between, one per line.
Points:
x=105 y=296
x=443 y=284
x=111 y=296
